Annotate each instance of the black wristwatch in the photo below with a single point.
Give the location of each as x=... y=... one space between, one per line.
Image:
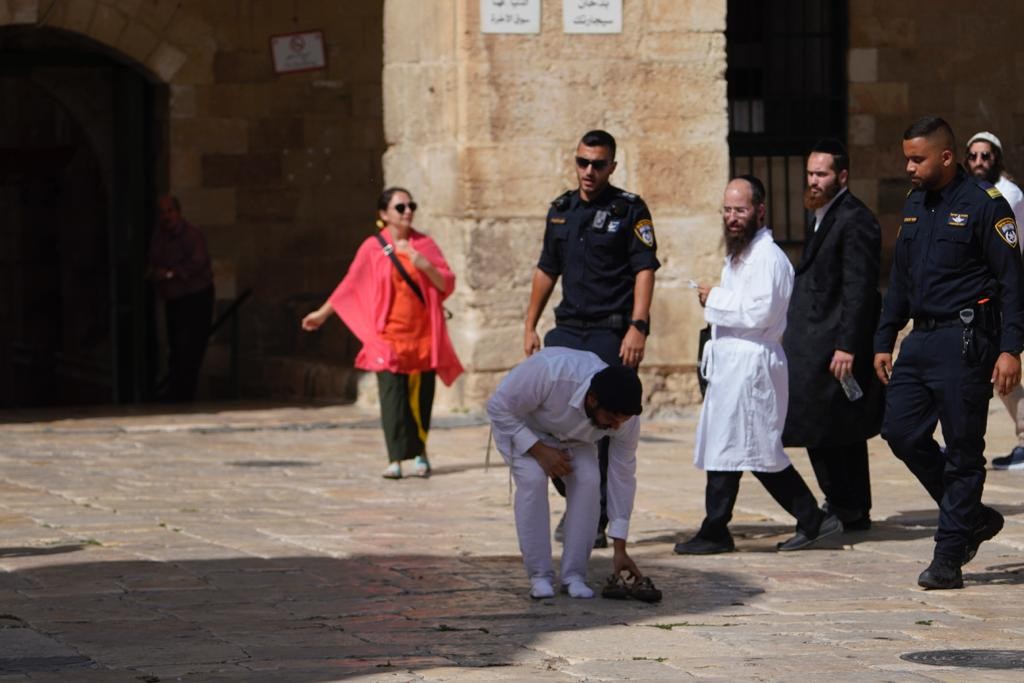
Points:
x=641 y=325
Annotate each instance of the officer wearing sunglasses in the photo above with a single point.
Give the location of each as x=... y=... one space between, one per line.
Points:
x=600 y=240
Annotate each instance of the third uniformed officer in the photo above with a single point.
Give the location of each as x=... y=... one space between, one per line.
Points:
x=957 y=273
x=600 y=241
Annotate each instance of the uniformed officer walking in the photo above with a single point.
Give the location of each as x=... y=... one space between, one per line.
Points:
x=600 y=241
x=957 y=273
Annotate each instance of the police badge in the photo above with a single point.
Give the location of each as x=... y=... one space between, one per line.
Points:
x=644 y=230
x=1007 y=229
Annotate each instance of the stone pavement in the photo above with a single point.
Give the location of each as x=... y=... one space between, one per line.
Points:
x=251 y=543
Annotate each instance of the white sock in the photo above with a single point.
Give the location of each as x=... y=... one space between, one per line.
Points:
x=578 y=589
x=541 y=588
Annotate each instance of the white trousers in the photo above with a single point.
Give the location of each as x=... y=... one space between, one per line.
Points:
x=1014 y=402
x=533 y=514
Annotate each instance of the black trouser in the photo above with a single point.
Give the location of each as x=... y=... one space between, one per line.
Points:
x=787 y=488
x=842 y=473
x=606 y=344
x=933 y=383
x=188 y=328
x=406 y=403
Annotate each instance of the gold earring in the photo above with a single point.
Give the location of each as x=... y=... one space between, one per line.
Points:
x=380 y=224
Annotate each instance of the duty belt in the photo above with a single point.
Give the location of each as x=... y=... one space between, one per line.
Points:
x=616 y=321
x=929 y=324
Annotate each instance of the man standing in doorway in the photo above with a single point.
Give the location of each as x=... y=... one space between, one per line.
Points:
x=831 y=322
x=985 y=161
x=179 y=266
x=600 y=241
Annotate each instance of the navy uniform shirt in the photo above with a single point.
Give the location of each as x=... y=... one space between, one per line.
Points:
x=598 y=248
x=956 y=246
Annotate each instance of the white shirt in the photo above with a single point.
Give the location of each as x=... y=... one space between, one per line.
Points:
x=820 y=212
x=542 y=399
x=1015 y=198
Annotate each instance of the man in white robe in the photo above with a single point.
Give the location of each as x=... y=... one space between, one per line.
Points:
x=744 y=411
x=548 y=415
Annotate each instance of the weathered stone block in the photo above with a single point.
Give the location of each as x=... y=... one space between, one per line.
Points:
x=138 y=42
x=73 y=16
x=227 y=136
x=867 y=98
x=267 y=205
x=166 y=61
x=276 y=134
x=207 y=207
x=107 y=24
x=242 y=67
x=23 y=11
x=241 y=170
x=863 y=65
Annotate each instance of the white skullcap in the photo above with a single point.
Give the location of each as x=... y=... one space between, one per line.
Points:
x=986 y=137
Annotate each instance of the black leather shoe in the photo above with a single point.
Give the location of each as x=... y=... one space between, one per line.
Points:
x=941 y=575
x=704 y=546
x=852 y=519
x=991 y=524
x=830 y=526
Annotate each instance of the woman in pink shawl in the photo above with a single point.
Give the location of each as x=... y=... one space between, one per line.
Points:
x=396 y=312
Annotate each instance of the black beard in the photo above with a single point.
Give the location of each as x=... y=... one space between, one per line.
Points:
x=736 y=244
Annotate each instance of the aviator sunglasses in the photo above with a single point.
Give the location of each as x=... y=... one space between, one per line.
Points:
x=400 y=208
x=985 y=156
x=598 y=164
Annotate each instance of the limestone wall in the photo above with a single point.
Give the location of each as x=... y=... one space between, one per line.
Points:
x=908 y=59
x=281 y=171
x=483 y=129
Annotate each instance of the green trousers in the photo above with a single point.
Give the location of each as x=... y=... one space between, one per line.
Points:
x=405 y=405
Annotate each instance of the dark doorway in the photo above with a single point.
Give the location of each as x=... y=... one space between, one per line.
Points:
x=78 y=175
x=786 y=77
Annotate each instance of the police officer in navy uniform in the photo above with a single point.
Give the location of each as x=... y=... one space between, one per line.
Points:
x=957 y=273
x=600 y=241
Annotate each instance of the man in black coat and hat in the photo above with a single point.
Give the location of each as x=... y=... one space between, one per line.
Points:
x=828 y=340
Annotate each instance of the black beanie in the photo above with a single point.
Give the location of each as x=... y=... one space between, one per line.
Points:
x=617 y=389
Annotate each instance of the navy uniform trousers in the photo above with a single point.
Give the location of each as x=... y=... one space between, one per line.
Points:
x=932 y=382
x=606 y=344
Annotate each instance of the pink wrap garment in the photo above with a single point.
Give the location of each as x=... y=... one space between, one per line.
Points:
x=362 y=299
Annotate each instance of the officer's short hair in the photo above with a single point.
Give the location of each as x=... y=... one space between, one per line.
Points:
x=757 y=191
x=386 y=195
x=927 y=126
x=599 y=138
x=840 y=159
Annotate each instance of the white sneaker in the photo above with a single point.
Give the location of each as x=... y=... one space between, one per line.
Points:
x=540 y=589
x=421 y=466
x=577 y=589
x=393 y=471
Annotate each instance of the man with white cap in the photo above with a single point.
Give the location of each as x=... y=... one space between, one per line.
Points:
x=548 y=415
x=985 y=161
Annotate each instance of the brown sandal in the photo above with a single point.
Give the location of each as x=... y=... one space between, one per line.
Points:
x=615 y=588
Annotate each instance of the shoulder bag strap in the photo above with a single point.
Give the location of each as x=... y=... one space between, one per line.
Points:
x=390 y=251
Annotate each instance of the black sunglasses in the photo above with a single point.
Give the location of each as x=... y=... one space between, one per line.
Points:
x=400 y=208
x=598 y=164
x=985 y=156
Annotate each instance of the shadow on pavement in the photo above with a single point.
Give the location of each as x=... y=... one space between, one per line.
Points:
x=306 y=618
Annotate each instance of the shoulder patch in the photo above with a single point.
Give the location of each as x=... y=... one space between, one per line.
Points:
x=1007 y=230
x=644 y=231
x=993 y=193
x=910 y=219
x=561 y=202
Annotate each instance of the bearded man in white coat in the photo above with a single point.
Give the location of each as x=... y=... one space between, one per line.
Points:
x=740 y=428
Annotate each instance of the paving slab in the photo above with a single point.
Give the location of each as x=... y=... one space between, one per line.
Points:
x=258 y=543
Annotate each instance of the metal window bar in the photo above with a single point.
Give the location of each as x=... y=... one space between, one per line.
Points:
x=786 y=72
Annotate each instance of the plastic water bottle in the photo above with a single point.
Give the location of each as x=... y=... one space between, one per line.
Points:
x=851 y=388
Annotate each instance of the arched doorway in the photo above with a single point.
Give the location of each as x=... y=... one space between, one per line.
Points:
x=81 y=158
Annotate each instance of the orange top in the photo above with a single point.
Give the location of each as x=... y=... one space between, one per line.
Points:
x=408 y=325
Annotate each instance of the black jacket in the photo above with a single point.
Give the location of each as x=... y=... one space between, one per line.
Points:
x=835 y=305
